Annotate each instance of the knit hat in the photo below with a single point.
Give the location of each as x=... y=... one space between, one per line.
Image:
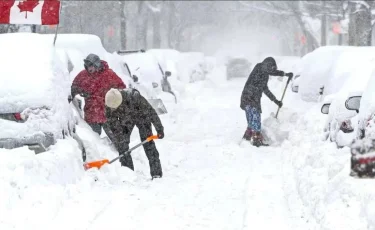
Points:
x=113 y=98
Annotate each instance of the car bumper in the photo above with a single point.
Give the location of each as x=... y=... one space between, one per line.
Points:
x=38 y=142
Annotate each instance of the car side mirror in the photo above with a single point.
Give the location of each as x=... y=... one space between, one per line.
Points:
x=353 y=103
x=168 y=73
x=325 y=108
x=135 y=78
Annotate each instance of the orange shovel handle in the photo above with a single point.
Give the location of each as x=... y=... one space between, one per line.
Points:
x=100 y=163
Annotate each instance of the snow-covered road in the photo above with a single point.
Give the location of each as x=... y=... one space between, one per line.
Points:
x=210 y=181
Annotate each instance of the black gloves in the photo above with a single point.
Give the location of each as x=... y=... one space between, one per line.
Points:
x=160 y=134
x=290 y=75
x=70 y=98
x=279 y=103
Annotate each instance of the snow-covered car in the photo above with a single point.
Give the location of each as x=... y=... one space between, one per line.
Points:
x=342 y=121
x=339 y=124
x=149 y=76
x=362 y=162
x=238 y=68
x=364 y=105
x=192 y=67
x=295 y=83
x=324 y=71
x=34 y=90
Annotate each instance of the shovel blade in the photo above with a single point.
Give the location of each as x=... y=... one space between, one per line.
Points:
x=95 y=164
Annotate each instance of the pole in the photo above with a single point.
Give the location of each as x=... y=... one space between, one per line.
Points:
x=57 y=26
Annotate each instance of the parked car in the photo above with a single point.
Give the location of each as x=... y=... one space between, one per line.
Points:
x=238 y=68
x=364 y=105
x=362 y=162
x=149 y=77
x=192 y=67
x=326 y=69
x=34 y=107
x=340 y=123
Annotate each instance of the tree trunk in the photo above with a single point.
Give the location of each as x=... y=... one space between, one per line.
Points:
x=360 y=28
x=123 y=26
x=141 y=29
x=170 y=23
x=364 y=28
x=156 y=30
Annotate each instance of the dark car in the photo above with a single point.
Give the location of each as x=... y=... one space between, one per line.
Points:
x=238 y=68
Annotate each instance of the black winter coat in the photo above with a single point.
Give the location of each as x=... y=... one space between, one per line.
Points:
x=257 y=82
x=134 y=110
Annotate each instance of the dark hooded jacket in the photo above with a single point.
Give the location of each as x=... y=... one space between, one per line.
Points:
x=257 y=82
x=134 y=110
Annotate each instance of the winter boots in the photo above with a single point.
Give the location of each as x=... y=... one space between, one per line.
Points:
x=255 y=138
x=248 y=134
x=258 y=140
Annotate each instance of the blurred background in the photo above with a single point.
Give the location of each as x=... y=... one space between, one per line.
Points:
x=288 y=28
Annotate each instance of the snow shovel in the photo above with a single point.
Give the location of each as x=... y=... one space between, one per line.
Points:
x=100 y=163
x=282 y=97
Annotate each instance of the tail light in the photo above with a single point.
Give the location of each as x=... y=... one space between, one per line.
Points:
x=37 y=113
x=18 y=116
x=366 y=160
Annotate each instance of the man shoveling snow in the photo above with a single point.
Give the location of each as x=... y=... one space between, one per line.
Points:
x=251 y=96
x=128 y=108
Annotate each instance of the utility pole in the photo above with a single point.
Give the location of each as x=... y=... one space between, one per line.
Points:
x=323 y=39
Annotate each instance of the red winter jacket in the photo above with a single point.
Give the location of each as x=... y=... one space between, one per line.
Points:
x=96 y=86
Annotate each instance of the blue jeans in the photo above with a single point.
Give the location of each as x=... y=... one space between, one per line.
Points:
x=253 y=118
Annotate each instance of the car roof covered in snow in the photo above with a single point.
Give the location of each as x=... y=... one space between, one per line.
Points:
x=31 y=72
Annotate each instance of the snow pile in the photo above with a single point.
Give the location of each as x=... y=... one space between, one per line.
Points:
x=321 y=172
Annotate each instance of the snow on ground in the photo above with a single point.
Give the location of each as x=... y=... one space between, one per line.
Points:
x=210 y=180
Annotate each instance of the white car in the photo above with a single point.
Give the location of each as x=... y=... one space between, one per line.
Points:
x=354 y=67
x=326 y=69
x=339 y=127
x=364 y=105
x=192 y=67
x=149 y=76
x=34 y=89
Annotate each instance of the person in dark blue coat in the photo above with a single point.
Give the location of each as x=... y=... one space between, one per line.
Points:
x=251 y=96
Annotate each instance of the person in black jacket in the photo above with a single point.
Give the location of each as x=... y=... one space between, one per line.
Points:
x=251 y=96
x=126 y=108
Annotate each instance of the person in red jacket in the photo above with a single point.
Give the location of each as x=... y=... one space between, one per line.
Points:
x=93 y=83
